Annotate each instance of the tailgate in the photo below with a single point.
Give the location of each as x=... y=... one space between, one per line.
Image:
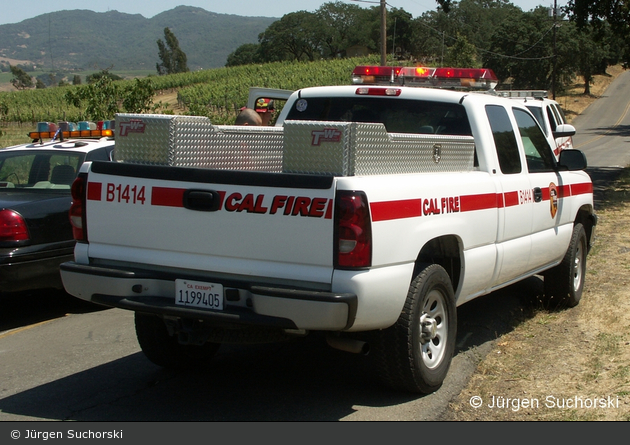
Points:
x=259 y=224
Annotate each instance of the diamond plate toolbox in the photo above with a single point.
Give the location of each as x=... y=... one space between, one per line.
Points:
x=192 y=141
x=351 y=148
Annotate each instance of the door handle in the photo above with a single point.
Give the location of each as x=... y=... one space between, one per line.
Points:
x=202 y=200
x=537 y=194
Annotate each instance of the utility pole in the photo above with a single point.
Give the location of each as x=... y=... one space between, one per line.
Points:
x=383 y=33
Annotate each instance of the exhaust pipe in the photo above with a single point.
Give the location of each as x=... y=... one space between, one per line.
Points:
x=348 y=344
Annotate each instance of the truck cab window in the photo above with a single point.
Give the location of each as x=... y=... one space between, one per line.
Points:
x=538 y=114
x=398 y=116
x=504 y=139
x=553 y=118
x=537 y=151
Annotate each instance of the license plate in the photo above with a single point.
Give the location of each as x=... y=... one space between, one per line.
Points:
x=199 y=294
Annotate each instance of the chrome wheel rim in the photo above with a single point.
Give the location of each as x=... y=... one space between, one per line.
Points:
x=578 y=264
x=433 y=329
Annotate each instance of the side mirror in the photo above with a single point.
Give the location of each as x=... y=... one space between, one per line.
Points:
x=564 y=131
x=572 y=160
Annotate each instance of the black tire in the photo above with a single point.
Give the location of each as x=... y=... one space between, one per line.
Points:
x=407 y=359
x=163 y=349
x=565 y=282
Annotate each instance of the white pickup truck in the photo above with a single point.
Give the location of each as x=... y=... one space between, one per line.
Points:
x=368 y=213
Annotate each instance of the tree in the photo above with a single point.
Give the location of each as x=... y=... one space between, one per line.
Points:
x=138 y=98
x=94 y=77
x=76 y=80
x=462 y=54
x=615 y=12
x=173 y=59
x=293 y=37
x=338 y=26
x=103 y=98
x=522 y=49
x=243 y=55
x=99 y=98
x=21 y=80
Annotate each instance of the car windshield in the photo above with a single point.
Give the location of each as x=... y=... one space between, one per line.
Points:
x=38 y=170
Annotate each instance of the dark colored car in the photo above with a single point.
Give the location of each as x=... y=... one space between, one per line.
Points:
x=35 y=231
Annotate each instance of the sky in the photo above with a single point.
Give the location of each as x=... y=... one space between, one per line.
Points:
x=26 y=9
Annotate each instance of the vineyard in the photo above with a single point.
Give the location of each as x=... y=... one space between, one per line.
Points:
x=215 y=93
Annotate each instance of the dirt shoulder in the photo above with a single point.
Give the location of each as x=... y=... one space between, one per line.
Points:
x=571 y=364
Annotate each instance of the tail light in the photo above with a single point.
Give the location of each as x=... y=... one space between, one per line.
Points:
x=12 y=226
x=77 y=209
x=353 y=246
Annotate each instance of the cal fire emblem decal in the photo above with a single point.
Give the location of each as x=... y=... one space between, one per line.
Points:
x=553 y=199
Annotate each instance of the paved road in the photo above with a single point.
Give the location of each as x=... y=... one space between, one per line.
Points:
x=603 y=129
x=63 y=360
x=603 y=134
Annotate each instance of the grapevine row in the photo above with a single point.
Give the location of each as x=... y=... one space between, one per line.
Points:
x=215 y=92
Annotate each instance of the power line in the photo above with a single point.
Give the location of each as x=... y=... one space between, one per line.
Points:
x=443 y=34
x=497 y=54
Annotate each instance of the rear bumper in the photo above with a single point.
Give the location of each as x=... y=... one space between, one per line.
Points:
x=245 y=303
x=32 y=270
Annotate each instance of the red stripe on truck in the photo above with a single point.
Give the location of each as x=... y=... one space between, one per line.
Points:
x=471 y=203
x=94 y=191
x=581 y=189
x=412 y=208
x=167 y=196
x=388 y=210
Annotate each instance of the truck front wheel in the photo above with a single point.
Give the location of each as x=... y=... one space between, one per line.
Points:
x=415 y=353
x=164 y=349
x=565 y=282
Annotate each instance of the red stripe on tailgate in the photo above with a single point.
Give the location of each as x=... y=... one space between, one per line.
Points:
x=166 y=196
x=94 y=191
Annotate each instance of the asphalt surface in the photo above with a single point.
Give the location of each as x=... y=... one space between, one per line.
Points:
x=61 y=359
x=603 y=134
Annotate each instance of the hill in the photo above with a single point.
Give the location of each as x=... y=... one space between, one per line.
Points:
x=81 y=39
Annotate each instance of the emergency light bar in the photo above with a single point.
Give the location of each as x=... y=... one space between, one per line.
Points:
x=375 y=75
x=468 y=78
x=66 y=130
x=538 y=94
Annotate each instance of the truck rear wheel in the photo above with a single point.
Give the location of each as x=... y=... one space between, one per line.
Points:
x=565 y=282
x=164 y=349
x=415 y=353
